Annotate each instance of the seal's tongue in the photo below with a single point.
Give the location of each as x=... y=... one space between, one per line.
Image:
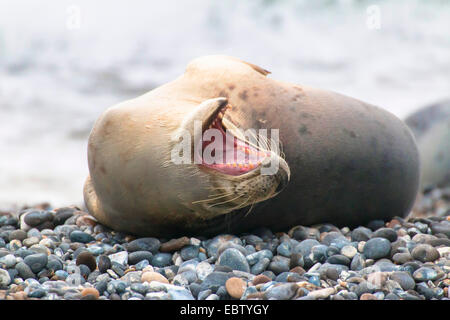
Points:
x=228 y=154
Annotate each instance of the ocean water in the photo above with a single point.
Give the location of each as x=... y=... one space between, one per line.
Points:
x=63 y=62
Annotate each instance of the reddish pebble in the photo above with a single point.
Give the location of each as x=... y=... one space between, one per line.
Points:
x=90 y=291
x=235 y=287
x=153 y=276
x=260 y=279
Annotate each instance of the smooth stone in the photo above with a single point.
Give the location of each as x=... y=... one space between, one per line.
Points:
x=402 y=257
x=174 y=244
x=349 y=251
x=386 y=233
x=153 y=276
x=318 y=254
x=101 y=286
x=279 y=264
x=132 y=277
x=179 y=295
x=104 y=263
x=305 y=246
x=17 y=235
x=281 y=292
x=368 y=296
x=234 y=259
x=62 y=214
x=425 y=274
x=80 y=236
x=137 y=256
x=189 y=252
x=215 y=280
x=377 y=248
x=257 y=256
x=339 y=259
x=86 y=258
x=142 y=264
x=9 y=261
x=119 y=257
x=144 y=244
x=261 y=278
x=203 y=269
x=321 y=293
x=404 y=279
x=90 y=291
x=442 y=227
x=260 y=266
x=361 y=234
x=24 y=270
x=425 y=253
x=36 y=262
x=161 y=260
x=284 y=249
x=35 y=218
x=5 y=278
x=296 y=259
x=235 y=287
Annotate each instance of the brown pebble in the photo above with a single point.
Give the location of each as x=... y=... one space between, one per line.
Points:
x=153 y=276
x=86 y=258
x=261 y=278
x=394 y=222
x=235 y=287
x=90 y=292
x=174 y=244
x=298 y=270
x=367 y=296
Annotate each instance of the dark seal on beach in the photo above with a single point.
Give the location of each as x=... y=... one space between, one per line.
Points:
x=342 y=161
x=431 y=127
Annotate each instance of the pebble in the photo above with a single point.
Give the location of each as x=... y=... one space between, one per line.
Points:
x=86 y=258
x=144 y=244
x=386 y=233
x=281 y=292
x=404 y=279
x=119 y=257
x=174 y=244
x=137 y=256
x=377 y=248
x=425 y=274
x=233 y=259
x=161 y=259
x=36 y=262
x=349 y=251
x=153 y=276
x=235 y=287
x=5 y=278
x=80 y=236
x=425 y=253
x=104 y=263
x=321 y=293
x=90 y=292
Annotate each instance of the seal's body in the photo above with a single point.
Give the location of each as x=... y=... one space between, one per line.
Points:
x=347 y=162
x=431 y=127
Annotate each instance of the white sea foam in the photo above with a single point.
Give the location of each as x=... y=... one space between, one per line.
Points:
x=55 y=78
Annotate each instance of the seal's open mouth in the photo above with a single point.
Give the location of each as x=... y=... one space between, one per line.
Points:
x=236 y=156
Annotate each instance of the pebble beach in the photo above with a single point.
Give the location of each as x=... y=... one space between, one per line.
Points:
x=64 y=253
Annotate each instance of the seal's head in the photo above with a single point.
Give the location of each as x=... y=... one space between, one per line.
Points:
x=238 y=168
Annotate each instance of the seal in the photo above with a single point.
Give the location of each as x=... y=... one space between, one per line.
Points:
x=431 y=128
x=340 y=160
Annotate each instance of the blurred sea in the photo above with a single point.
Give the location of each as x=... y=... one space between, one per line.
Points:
x=63 y=62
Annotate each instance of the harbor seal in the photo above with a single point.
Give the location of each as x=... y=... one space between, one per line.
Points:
x=342 y=161
x=431 y=128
